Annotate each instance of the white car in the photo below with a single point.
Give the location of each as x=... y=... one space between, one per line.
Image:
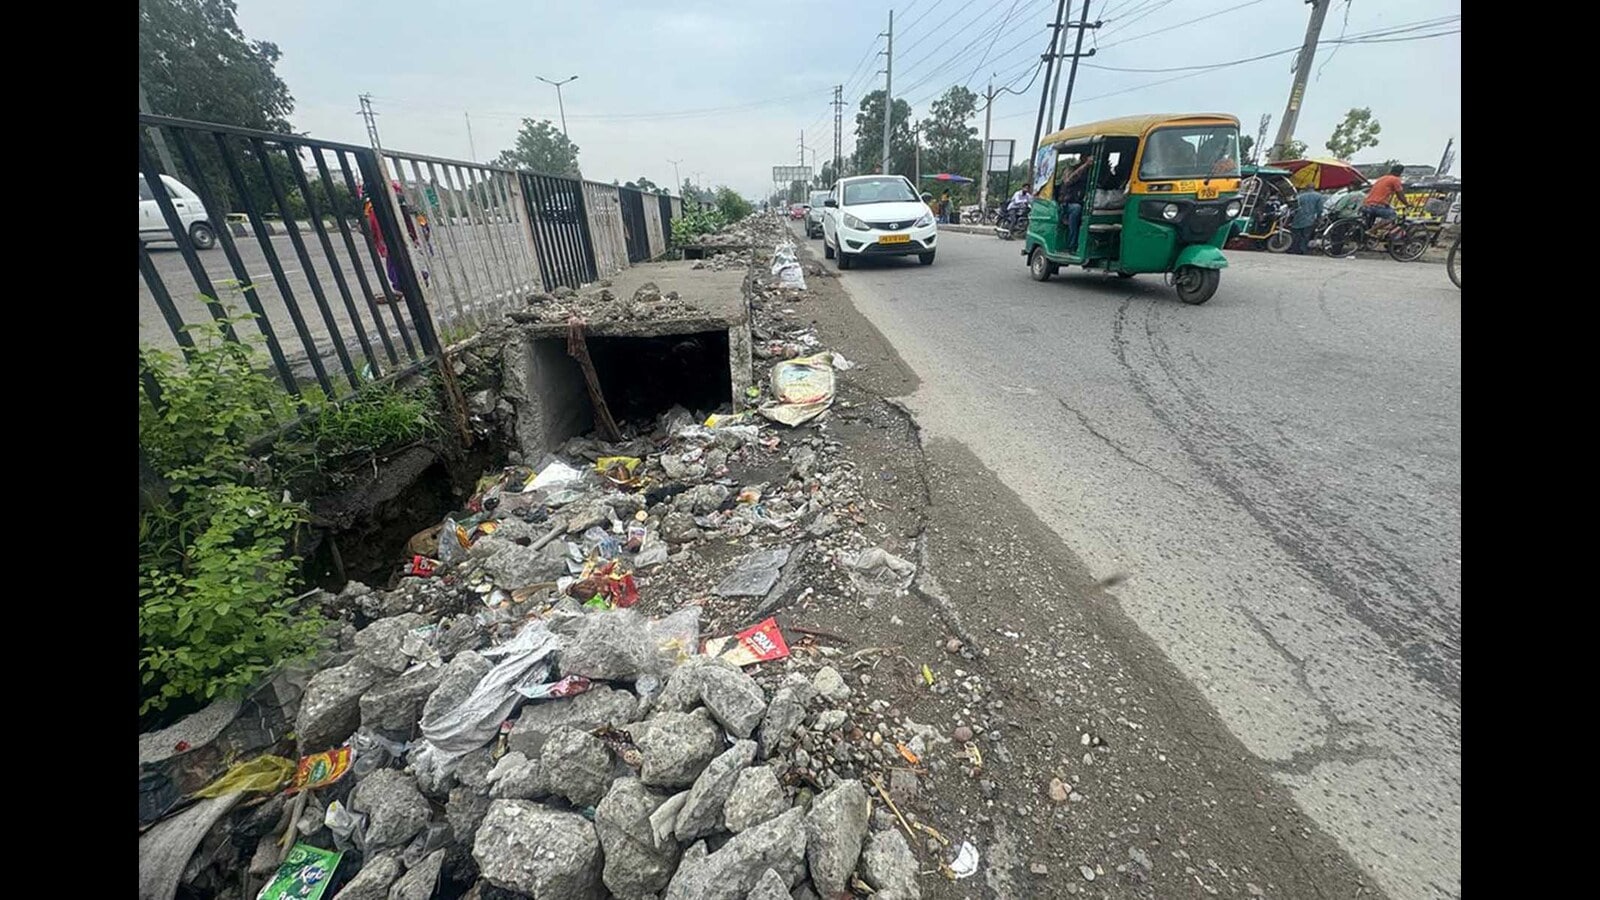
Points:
x=191 y=212
x=814 y=209
x=877 y=215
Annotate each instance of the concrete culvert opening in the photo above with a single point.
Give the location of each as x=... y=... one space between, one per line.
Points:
x=643 y=377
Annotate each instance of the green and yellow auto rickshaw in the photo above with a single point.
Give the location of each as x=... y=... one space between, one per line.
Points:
x=1136 y=195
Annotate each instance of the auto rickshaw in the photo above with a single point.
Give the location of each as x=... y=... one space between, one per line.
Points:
x=1154 y=193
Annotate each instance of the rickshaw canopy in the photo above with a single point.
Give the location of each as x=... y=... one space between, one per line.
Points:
x=1125 y=126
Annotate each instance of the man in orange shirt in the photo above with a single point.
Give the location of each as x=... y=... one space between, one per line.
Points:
x=1383 y=192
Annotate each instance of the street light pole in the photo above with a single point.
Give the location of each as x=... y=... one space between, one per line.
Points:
x=559 y=103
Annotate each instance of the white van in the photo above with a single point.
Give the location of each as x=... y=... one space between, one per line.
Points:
x=153 y=226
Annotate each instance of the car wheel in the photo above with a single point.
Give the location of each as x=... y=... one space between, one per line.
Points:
x=843 y=258
x=1196 y=285
x=1038 y=266
x=827 y=248
x=202 y=236
x=925 y=258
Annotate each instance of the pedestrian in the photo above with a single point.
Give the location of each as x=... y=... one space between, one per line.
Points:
x=1380 y=199
x=944 y=207
x=1307 y=209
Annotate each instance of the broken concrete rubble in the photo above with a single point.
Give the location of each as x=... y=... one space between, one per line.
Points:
x=676 y=747
x=542 y=852
x=394 y=808
x=835 y=828
x=636 y=864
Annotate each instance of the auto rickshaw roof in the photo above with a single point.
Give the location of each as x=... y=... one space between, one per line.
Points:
x=1128 y=126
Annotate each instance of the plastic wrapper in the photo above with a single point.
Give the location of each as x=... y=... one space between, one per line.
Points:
x=349 y=828
x=374 y=751
x=321 y=769
x=876 y=571
x=570 y=686
x=762 y=642
x=453 y=542
x=557 y=475
x=304 y=875
x=264 y=773
x=677 y=636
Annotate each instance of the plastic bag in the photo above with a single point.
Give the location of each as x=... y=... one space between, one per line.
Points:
x=374 y=751
x=803 y=387
x=475 y=721
x=264 y=773
x=453 y=542
x=677 y=636
x=875 y=571
x=557 y=475
x=349 y=828
x=436 y=835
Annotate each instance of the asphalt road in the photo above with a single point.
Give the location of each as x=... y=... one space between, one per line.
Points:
x=1279 y=471
x=460 y=270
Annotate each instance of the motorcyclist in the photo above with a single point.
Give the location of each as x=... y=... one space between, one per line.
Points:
x=1018 y=204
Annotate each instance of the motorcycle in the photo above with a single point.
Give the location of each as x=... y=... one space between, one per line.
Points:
x=1012 y=223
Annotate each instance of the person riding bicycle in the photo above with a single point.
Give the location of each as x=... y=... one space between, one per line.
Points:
x=1379 y=201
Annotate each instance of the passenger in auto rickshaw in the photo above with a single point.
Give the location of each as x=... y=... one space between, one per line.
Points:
x=1071 y=194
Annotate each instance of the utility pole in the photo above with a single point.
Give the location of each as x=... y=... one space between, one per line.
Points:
x=160 y=140
x=1447 y=160
x=1302 y=71
x=1044 y=89
x=472 y=147
x=559 y=103
x=1261 y=140
x=838 y=124
x=888 y=91
x=983 y=177
x=1057 y=46
x=916 y=153
x=372 y=122
x=675 y=176
x=1077 y=52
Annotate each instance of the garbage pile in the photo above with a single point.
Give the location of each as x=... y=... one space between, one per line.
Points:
x=601 y=304
x=591 y=681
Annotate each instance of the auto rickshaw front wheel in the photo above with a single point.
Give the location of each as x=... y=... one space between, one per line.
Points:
x=1040 y=268
x=1196 y=285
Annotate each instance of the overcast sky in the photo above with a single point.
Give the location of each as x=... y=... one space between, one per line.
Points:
x=727 y=87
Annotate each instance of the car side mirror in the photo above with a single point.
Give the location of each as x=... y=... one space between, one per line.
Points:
x=831 y=203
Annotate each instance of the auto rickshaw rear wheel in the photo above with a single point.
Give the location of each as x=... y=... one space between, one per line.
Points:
x=1040 y=268
x=1196 y=285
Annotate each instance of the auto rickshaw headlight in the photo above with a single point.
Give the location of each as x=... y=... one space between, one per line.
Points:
x=1170 y=212
x=1233 y=209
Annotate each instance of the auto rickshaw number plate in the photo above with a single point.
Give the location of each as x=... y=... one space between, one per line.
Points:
x=1207 y=192
x=894 y=239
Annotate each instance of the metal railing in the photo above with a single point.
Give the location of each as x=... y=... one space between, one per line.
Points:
x=353 y=263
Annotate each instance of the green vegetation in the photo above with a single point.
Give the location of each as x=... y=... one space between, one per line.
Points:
x=217 y=525
x=732 y=206
x=696 y=222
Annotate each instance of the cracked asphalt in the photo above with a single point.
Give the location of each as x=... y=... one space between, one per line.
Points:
x=1278 y=472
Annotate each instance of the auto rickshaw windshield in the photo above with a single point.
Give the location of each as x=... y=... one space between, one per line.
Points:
x=1191 y=151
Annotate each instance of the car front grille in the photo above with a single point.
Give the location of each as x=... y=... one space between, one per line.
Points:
x=890 y=226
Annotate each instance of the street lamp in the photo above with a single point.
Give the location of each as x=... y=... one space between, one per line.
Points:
x=562 y=106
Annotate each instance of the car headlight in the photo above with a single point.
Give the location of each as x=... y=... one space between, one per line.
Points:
x=923 y=222
x=1233 y=209
x=1169 y=212
x=854 y=223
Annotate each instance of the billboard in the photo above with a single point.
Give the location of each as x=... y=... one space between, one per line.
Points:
x=785 y=174
x=997 y=156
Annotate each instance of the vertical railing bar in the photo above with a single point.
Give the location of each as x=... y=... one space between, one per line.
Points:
x=547 y=261
x=535 y=231
x=574 y=271
x=447 y=202
x=417 y=250
x=169 y=311
x=409 y=290
x=474 y=247
x=312 y=279
x=236 y=178
x=492 y=239
x=219 y=220
x=355 y=257
x=585 y=239
x=443 y=257
x=373 y=256
x=335 y=267
x=515 y=219
x=191 y=258
x=484 y=240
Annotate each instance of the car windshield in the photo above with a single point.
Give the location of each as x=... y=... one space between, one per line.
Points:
x=818 y=197
x=878 y=190
x=1196 y=151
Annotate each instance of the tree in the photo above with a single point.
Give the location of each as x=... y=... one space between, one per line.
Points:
x=953 y=144
x=644 y=184
x=1291 y=150
x=697 y=194
x=869 y=136
x=732 y=206
x=196 y=63
x=1246 y=144
x=541 y=147
x=1357 y=132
